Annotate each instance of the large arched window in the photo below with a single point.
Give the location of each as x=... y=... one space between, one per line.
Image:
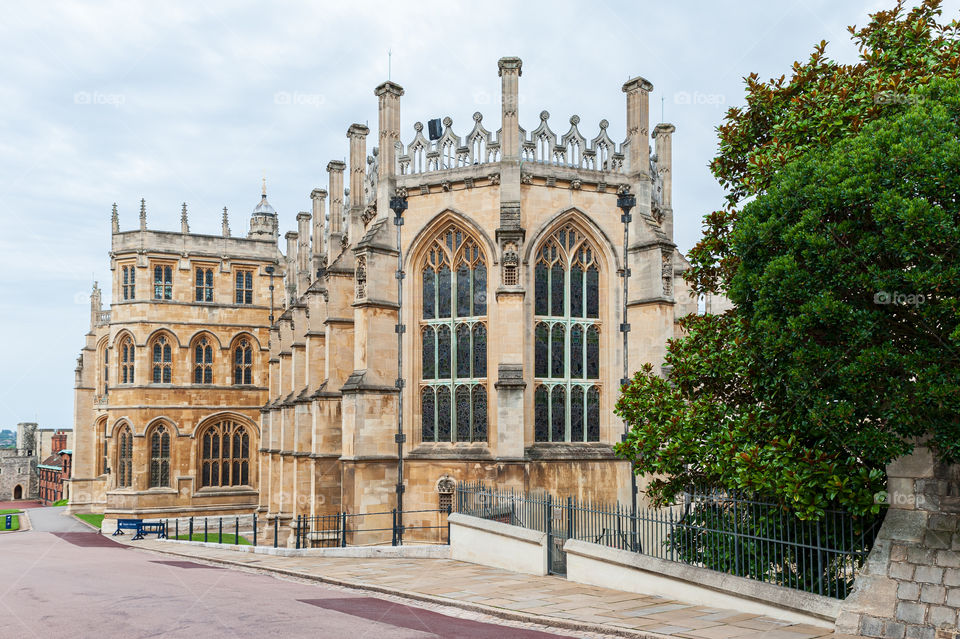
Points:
x=126 y=360
x=567 y=339
x=453 y=393
x=203 y=362
x=242 y=362
x=162 y=361
x=225 y=455
x=160 y=457
x=125 y=457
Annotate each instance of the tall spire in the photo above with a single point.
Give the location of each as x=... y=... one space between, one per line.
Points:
x=226 y=223
x=115 y=219
x=184 y=225
x=264 y=191
x=143 y=214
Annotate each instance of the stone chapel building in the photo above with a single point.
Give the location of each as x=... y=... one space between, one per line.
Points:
x=193 y=398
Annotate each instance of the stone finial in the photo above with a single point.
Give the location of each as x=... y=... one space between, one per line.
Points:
x=510 y=64
x=184 y=225
x=143 y=214
x=509 y=72
x=115 y=219
x=388 y=87
x=225 y=223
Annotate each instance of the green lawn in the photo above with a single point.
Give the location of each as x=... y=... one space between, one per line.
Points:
x=60 y=502
x=15 y=524
x=10 y=511
x=95 y=520
x=212 y=538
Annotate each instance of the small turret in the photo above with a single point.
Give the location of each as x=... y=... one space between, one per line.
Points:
x=143 y=214
x=263 y=221
x=184 y=225
x=226 y=223
x=115 y=219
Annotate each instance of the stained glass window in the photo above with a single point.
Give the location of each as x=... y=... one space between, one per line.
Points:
x=567 y=339
x=203 y=362
x=453 y=396
x=160 y=457
x=243 y=363
x=162 y=361
x=162 y=282
x=126 y=361
x=129 y=275
x=125 y=458
x=204 y=285
x=244 y=289
x=225 y=455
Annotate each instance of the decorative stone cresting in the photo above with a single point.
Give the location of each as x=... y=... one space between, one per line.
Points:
x=910 y=585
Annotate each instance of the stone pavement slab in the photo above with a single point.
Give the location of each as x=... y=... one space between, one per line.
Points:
x=550 y=600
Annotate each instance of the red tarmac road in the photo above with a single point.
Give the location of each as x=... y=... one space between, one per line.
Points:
x=80 y=584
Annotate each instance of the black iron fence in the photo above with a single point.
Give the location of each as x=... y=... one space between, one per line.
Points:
x=370 y=529
x=238 y=530
x=711 y=529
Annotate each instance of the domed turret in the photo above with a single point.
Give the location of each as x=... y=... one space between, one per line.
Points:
x=263 y=220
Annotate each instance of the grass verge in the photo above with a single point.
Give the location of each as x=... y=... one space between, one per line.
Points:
x=60 y=502
x=90 y=518
x=14 y=524
x=10 y=511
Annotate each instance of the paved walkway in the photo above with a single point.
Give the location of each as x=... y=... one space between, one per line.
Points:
x=55 y=519
x=548 y=600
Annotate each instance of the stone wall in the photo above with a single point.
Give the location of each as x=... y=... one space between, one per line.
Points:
x=910 y=586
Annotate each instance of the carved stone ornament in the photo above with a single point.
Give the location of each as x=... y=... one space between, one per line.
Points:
x=361 y=277
x=576 y=184
x=494 y=178
x=667 y=273
x=445 y=185
x=623 y=189
x=401 y=191
x=446 y=485
x=368 y=214
x=526 y=178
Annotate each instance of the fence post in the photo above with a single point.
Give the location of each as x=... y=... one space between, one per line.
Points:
x=549 y=530
x=448 y=525
x=393 y=541
x=276 y=528
x=236 y=530
x=297 y=533
x=205 y=530
x=736 y=539
x=569 y=517
x=176 y=525
x=190 y=538
x=220 y=530
x=254 y=530
x=343 y=529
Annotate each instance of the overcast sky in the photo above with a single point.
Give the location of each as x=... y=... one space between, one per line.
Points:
x=195 y=101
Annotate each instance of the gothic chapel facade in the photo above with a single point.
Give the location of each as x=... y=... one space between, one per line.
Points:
x=510 y=342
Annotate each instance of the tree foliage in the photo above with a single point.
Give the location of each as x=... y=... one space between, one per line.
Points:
x=822 y=101
x=845 y=271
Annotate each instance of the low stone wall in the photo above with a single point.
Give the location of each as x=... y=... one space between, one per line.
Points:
x=491 y=543
x=910 y=585
x=623 y=570
x=360 y=552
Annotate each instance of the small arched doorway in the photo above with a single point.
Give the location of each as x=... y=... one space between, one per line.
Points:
x=18 y=492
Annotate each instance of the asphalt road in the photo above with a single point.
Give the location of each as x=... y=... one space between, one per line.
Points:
x=80 y=584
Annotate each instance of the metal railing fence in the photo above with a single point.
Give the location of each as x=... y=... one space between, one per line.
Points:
x=366 y=529
x=734 y=534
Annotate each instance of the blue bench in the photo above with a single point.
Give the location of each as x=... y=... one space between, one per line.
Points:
x=142 y=528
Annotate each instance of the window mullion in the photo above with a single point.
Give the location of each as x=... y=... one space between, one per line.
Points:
x=567 y=327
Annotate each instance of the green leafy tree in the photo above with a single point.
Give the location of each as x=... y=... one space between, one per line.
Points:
x=827 y=367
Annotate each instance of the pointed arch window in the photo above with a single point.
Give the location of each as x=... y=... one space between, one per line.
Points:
x=453 y=331
x=567 y=339
x=162 y=361
x=125 y=457
x=243 y=362
x=126 y=360
x=225 y=455
x=160 y=458
x=203 y=362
